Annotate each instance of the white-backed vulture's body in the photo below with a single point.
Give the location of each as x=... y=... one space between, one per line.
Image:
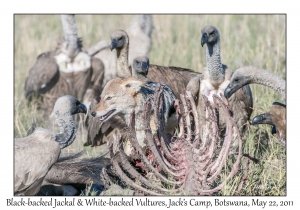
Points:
x=125 y=96
x=66 y=70
x=140 y=33
x=175 y=77
x=36 y=153
x=216 y=78
x=253 y=75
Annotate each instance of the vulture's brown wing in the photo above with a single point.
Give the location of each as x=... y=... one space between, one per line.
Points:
x=34 y=156
x=175 y=77
x=43 y=75
x=98 y=72
x=77 y=171
x=278 y=115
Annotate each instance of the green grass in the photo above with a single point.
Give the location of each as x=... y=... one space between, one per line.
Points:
x=257 y=40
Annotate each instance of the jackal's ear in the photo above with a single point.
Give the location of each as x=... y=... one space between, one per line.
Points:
x=133 y=86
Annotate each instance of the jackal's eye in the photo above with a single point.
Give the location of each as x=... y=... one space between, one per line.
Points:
x=108 y=98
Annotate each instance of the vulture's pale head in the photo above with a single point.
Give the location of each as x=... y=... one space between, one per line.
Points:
x=239 y=79
x=140 y=65
x=119 y=39
x=210 y=35
x=67 y=104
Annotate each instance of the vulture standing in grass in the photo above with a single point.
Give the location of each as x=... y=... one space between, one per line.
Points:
x=175 y=77
x=216 y=78
x=66 y=70
x=140 y=33
x=36 y=153
x=253 y=75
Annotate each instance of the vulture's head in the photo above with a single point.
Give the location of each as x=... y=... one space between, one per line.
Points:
x=69 y=104
x=262 y=119
x=119 y=39
x=238 y=80
x=140 y=65
x=210 y=35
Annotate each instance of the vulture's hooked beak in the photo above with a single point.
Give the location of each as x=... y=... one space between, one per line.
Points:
x=228 y=92
x=262 y=119
x=273 y=130
x=113 y=44
x=145 y=66
x=204 y=39
x=81 y=108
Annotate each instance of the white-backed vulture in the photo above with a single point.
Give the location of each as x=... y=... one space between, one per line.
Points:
x=216 y=78
x=70 y=175
x=175 y=77
x=275 y=117
x=36 y=153
x=253 y=75
x=66 y=70
x=139 y=32
x=140 y=66
x=124 y=96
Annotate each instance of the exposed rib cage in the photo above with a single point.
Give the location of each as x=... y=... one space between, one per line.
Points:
x=187 y=163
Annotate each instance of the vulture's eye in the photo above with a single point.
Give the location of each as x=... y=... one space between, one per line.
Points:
x=120 y=38
x=211 y=33
x=77 y=103
x=108 y=98
x=236 y=80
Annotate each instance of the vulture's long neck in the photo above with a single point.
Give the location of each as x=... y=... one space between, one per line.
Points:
x=122 y=61
x=214 y=63
x=71 y=37
x=67 y=130
x=263 y=77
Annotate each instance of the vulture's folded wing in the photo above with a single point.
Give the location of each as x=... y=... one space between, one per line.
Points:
x=34 y=156
x=43 y=75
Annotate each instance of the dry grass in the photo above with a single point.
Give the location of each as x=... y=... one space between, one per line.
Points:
x=257 y=40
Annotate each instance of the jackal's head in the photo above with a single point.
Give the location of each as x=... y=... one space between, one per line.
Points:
x=119 y=96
